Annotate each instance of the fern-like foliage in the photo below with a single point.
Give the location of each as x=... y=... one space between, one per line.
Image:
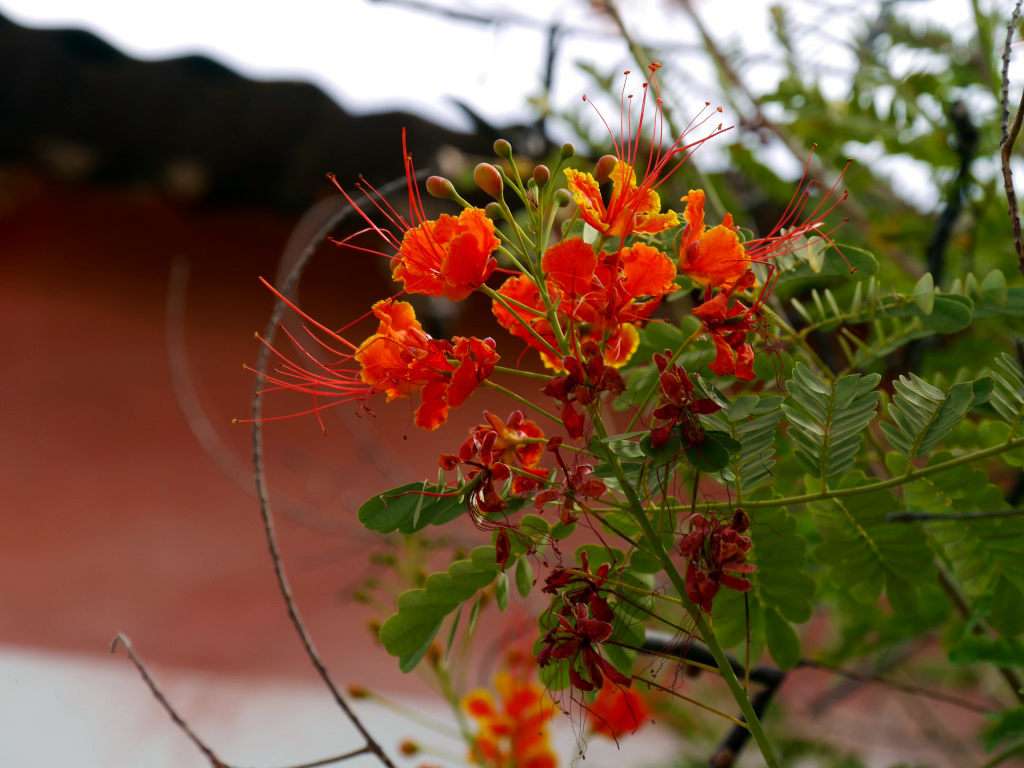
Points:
x=1008 y=393
x=781 y=591
x=922 y=414
x=986 y=554
x=866 y=552
x=752 y=422
x=827 y=421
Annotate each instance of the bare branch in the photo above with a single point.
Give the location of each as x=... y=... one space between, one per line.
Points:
x=1009 y=136
x=123 y=641
x=287 y=288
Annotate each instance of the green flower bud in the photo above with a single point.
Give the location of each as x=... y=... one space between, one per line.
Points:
x=568 y=150
x=562 y=197
x=502 y=148
x=541 y=174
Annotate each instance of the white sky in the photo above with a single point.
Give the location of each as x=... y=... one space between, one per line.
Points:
x=380 y=55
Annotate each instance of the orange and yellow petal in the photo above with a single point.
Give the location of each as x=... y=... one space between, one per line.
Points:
x=635 y=210
x=586 y=192
x=694 y=217
x=621 y=344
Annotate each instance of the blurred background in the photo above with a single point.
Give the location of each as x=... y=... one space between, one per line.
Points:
x=156 y=159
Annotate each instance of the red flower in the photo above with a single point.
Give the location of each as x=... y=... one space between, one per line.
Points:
x=728 y=327
x=606 y=292
x=578 y=484
x=617 y=711
x=714 y=257
x=576 y=638
x=516 y=441
x=399 y=360
x=451 y=256
x=716 y=552
x=678 y=405
x=582 y=384
x=514 y=735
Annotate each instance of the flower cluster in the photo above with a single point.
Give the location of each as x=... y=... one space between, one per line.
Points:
x=513 y=732
x=584 y=301
x=716 y=553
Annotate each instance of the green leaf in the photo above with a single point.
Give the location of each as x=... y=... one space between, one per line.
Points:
x=980 y=648
x=714 y=452
x=781 y=591
x=408 y=508
x=924 y=293
x=994 y=289
x=1008 y=727
x=862 y=264
x=865 y=552
x=501 y=591
x=752 y=422
x=922 y=415
x=827 y=421
x=524 y=576
x=408 y=663
x=979 y=550
x=420 y=611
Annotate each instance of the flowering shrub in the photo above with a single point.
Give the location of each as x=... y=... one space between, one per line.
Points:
x=665 y=375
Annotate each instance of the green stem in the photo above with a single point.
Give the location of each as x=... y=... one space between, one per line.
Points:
x=520 y=372
x=508 y=304
x=521 y=400
x=839 y=493
x=703 y=628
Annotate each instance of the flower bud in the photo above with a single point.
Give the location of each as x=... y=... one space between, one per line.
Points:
x=502 y=148
x=358 y=692
x=493 y=211
x=409 y=748
x=438 y=186
x=541 y=175
x=489 y=180
x=604 y=167
x=562 y=197
x=568 y=150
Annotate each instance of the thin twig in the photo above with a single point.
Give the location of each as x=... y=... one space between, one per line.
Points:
x=125 y=643
x=924 y=517
x=286 y=289
x=1009 y=136
x=122 y=640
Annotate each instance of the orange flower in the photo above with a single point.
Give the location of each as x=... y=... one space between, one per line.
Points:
x=617 y=711
x=631 y=209
x=515 y=736
x=450 y=257
x=516 y=441
x=399 y=360
x=728 y=327
x=714 y=257
x=634 y=206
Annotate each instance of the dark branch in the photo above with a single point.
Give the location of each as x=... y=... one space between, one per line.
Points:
x=287 y=288
x=924 y=517
x=123 y=641
x=1009 y=136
